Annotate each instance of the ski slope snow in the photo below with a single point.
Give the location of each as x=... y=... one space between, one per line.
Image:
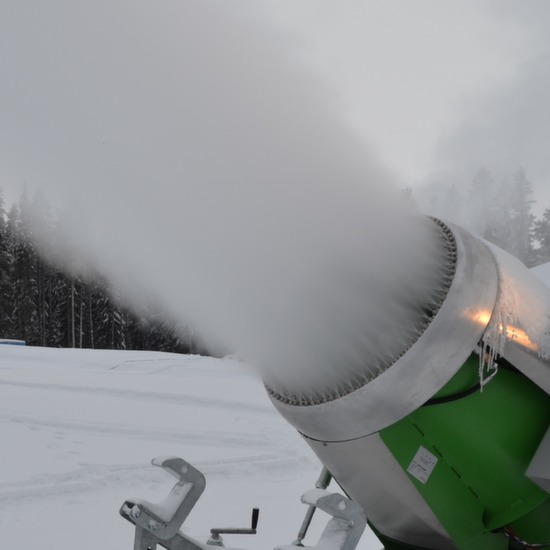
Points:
x=80 y=427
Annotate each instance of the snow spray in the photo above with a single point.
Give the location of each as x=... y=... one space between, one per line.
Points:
x=192 y=156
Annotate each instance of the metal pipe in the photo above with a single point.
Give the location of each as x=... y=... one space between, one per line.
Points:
x=322 y=483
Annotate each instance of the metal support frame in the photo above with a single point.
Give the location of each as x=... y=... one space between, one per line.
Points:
x=159 y=524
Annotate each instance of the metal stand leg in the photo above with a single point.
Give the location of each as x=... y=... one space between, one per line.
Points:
x=345 y=528
x=322 y=483
x=159 y=524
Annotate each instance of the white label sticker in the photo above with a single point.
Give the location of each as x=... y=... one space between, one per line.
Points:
x=422 y=465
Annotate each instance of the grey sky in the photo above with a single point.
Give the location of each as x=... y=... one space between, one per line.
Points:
x=409 y=74
x=415 y=78
x=510 y=126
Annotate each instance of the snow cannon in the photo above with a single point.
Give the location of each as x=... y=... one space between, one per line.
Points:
x=442 y=438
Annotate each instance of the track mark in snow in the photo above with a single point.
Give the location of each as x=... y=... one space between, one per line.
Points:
x=171 y=363
x=85 y=479
x=207 y=437
x=98 y=477
x=180 y=398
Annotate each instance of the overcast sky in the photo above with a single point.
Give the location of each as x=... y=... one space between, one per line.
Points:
x=432 y=86
x=438 y=88
x=408 y=72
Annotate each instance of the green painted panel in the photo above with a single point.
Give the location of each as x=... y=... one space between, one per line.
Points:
x=483 y=443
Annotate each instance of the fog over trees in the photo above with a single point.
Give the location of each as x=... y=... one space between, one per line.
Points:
x=50 y=304
x=500 y=210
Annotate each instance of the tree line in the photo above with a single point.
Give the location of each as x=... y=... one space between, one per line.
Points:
x=45 y=304
x=499 y=210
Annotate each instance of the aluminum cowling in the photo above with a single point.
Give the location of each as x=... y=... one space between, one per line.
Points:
x=425 y=368
x=519 y=328
x=495 y=306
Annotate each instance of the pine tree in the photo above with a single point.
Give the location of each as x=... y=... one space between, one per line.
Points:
x=110 y=332
x=541 y=233
x=521 y=244
x=51 y=304
x=5 y=271
x=56 y=295
x=39 y=228
x=480 y=195
x=498 y=217
x=453 y=204
x=24 y=289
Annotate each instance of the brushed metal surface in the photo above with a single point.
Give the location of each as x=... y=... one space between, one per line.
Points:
x=425 y=368
x=370 y=475
x=522 y=318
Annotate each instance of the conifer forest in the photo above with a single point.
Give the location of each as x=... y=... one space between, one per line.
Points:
x=48 y=303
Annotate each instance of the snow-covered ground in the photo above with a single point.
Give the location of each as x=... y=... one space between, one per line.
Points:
x=79 y=428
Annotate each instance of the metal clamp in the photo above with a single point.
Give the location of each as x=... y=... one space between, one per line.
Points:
x=160 y=523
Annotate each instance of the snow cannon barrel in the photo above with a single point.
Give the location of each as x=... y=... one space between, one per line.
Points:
x=443 y=439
